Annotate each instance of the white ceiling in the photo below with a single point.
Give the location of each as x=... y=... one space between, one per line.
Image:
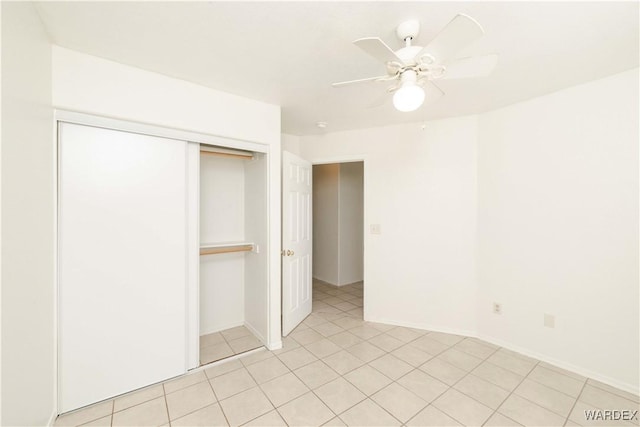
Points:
x=289 y=53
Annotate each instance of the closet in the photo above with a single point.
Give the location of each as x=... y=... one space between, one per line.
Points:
x=162 y=238
x=233 y=268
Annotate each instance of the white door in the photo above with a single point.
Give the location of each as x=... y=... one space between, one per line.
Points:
x=296 y=241
x=122 y=262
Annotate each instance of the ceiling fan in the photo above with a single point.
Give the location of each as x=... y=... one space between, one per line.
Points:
x=412 y=69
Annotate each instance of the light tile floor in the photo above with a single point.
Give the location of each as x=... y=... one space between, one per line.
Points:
x=220 y=345
x=336 y=370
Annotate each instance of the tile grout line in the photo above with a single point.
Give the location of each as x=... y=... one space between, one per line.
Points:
x=551 y=410
x=228 y=345
x=562 y=373
x=555 y=389
x=216 y=397
x=342 y=376
x=340 y=314
x=166 y=404
x=495 y=411
x=297 y=397
x=369 y=396
x=566 y=420
x=453 y=385
x=515 y=388
x=404 y=343
x=593 y=383
x=497 y=349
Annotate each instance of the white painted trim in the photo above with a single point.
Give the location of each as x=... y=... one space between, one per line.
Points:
x=351 y=159
x=222 y=361
x=274 y=243
x=54 y=415
x=339 y=221
x=224 y=327
x=192 y=203
x=255 y=332
x=422 y=326
x=365 y=236
x=153 y=130
x=561 y=364
x=339 y=159
x=556 y=362
x=272 y=346
x=57 y=239
x=55 y=160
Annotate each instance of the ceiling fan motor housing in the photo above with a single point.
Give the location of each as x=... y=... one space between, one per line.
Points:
x=407 y=29
x=414 y=68
x=408 y=54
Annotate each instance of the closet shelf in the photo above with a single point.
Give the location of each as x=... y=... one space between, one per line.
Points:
x=234 y=155
x=222 y=248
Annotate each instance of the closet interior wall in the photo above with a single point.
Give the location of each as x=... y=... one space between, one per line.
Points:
x=233 y=285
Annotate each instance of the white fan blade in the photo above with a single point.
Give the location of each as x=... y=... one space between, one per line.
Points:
x=477 y=66
x=432 y=93
x=368 y=79
x=460 y=32
x=384 y=98
x=375 y=47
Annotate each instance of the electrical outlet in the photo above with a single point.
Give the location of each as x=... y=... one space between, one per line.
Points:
x=374 y=228
x=549 y=320
x=497 y=308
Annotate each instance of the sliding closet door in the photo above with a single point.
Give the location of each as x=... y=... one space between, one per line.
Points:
x=122 y=262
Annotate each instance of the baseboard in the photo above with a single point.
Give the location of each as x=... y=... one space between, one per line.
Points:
x=255 y=332
x=276 y=345
x=222 y=328
x=324 y=282
x=559 y=363
x=335 y=285
x=564 y=365
x=52 y=418
x=423 y=326
x=350 y=283
x=221 y=361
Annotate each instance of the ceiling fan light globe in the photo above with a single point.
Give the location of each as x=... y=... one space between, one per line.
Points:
x=408 y=98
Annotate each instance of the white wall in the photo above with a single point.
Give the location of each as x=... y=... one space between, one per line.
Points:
x=351 y=249
x=28 y=219
x=93 y=85
x=291 y=143
x=555 y=224
x=338 y=222
x=256 y=265
x=326 y=179
x=558 y=227
x=222 y=186
x=420 y=186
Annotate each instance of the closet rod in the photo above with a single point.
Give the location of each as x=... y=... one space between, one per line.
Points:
x=221 y=154
x=225 y=249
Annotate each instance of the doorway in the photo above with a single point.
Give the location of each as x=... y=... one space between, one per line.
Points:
x=338 y=239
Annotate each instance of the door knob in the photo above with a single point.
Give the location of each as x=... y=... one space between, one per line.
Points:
x=289 y=252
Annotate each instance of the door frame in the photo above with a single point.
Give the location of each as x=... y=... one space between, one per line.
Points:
x=352 y=158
